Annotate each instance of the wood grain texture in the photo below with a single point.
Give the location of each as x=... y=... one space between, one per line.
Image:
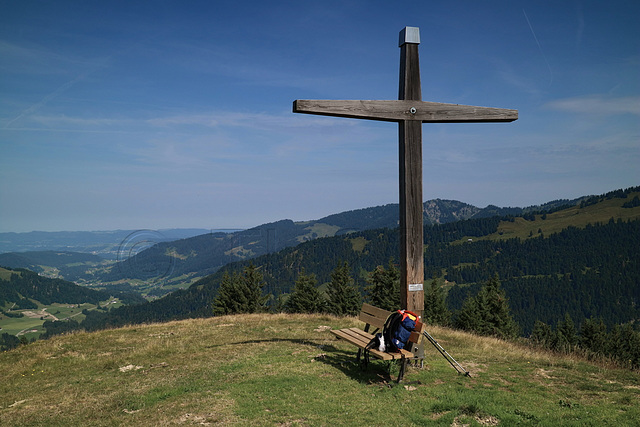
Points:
x=400 y=110
x=411 y=228
x=410 y=180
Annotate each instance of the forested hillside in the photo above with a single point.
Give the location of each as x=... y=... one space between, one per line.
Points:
x=25 y=298
x=65 y=263
x=199 y=256
x=585 y=271
x=19 y=288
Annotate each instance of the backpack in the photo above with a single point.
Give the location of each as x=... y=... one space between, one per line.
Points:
x=397 y=329
x=395 y=332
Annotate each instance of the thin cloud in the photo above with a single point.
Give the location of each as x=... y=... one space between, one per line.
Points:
x=241 y=119
x=599 y=105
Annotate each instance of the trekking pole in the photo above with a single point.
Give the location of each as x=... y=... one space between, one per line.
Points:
x=446 y=355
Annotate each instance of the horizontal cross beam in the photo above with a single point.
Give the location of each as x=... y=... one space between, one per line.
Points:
x=397 y=111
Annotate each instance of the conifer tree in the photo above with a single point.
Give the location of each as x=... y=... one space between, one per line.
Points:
x=435 y=306
x=593 y=335
x=566 y=336
x=344 y=298
x=384 y=288
x=240 y=293
x=624 y=345
x=488 y=313
x=279 y=305
x=252 y=282
x=306 y=298
x=227 y=299
x=469 y=317
x=542 y=334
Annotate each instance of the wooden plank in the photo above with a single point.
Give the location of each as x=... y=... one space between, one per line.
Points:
x=375 y=311
x=341 y=333
x=359 y=334
x=411 y=218
x=381 y=355
x=376 y=322
x=404 y=110
x=410 y=179
x=409 y=87
x=361 y=339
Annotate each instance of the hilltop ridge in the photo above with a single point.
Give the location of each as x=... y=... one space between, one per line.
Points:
x=289 y=370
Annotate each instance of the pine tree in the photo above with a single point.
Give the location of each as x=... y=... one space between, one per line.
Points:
x=542 y=334
x=251 y=284
x=240 y=293
x=624 y=345
x=488 y=313
x=344 y=298
x=226 y=301
x=305 y=298
x=469 y=317
x=435 y=306
x=593 y=335
x=384 y=289
x=566 y=336
x=279 y=305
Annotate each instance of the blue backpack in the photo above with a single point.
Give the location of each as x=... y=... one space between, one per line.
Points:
x=397 y=329
x=395 y=332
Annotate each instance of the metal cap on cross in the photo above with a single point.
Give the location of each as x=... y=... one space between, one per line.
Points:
x=409 y=111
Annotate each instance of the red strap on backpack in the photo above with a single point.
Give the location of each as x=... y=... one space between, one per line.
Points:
x=406 y=313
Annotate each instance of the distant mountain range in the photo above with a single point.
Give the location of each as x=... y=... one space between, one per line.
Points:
x=581 y=259
x=179 y=262
x=103 y=243
x=158 y=262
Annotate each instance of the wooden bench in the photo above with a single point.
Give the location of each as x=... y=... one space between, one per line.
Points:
x=375 y=317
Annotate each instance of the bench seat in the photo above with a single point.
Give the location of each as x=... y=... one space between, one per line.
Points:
x=376 y=317
x=361 y=339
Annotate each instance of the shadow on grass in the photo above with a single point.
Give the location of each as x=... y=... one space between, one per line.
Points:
x=375 y=372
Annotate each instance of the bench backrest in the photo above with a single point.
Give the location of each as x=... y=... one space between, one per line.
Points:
x=376 y=317
x=373 y=316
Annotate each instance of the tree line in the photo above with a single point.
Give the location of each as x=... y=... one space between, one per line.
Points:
x=486 y=312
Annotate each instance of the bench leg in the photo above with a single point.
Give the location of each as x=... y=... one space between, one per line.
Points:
x=403 y=367
x=366 y=329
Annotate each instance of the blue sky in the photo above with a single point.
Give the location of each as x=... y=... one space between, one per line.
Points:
x=175 y=114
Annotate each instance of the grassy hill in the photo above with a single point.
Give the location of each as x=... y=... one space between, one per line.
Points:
x=600 y=209
x=28 y=300
x=53 y=264
x=289 y=370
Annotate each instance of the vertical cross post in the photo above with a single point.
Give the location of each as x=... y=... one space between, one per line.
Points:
x=410 y=159
x=409 y=111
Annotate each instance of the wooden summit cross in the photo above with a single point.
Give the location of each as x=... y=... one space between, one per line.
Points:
x=410 y=112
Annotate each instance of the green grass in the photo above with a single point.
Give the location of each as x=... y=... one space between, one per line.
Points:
x=14 y=325
x=31 y=325
x=359 y=243
x=285 y=370
x=555 y=222
x=318 y=230
x=6 y=274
